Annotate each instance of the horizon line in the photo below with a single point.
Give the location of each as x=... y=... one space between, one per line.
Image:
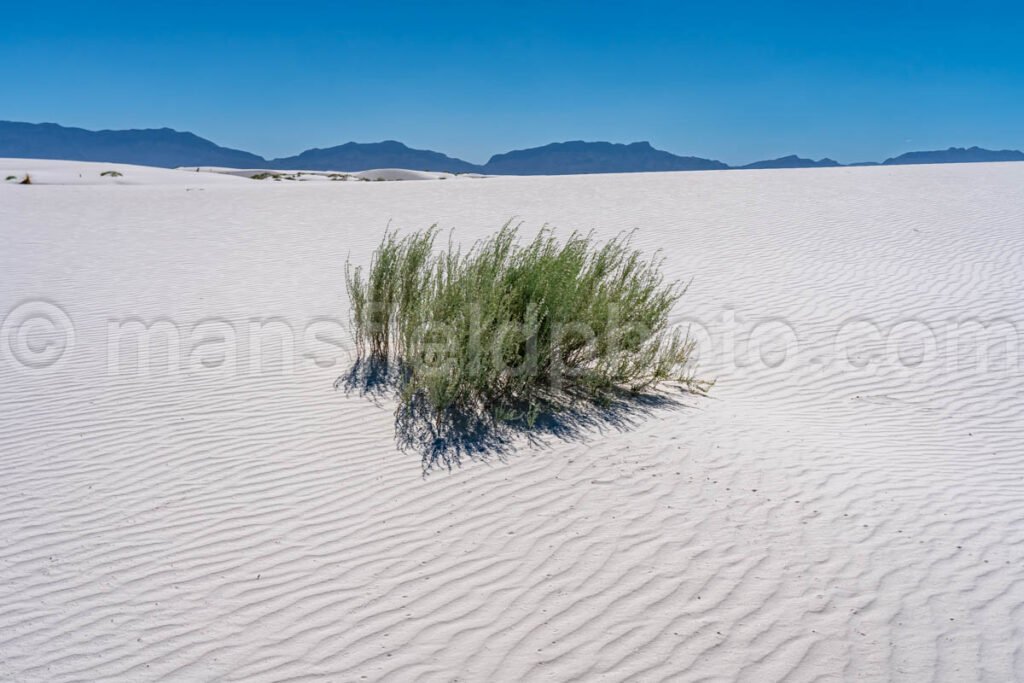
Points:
x=648 y=143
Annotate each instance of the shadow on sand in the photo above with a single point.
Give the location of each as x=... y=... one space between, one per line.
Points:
x=482 y=436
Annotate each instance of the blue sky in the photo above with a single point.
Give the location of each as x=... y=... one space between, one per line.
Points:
x=731 y=81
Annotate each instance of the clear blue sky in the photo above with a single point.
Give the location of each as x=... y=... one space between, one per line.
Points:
x=732 y=81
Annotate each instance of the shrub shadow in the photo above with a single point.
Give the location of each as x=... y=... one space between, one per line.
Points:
x=371 y=378
x=444 y=441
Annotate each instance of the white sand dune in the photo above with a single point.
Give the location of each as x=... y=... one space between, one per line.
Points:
x=49 y=172
x=407 y=174
x=57 y=172
x=305 y=176
x=847 y=505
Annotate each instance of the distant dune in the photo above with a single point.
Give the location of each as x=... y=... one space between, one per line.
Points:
x=49 y=172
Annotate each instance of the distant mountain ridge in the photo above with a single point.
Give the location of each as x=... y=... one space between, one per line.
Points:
x=170 y=148
x=956 y=155
x=355 y=156
x=792 y=161
x=147 y=147
x=594 y=157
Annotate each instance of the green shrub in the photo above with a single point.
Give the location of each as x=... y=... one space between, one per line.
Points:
x=11 y=177
x=511 y=328
x=112 y=174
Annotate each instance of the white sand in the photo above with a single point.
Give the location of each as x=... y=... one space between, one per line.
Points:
x=55 y=172
x=305 y=176
x=843 y=516
x=47 y=172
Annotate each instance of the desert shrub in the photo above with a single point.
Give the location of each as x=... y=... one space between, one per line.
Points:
x=27 y=180
x=508 y=327
x=11 y=177
x=111 y=174
x=264 y=176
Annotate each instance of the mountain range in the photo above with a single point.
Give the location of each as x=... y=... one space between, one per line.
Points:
x=793 y=161
x=594 y=157
x=152 y=147
x=170 y=148
x=356 y=156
